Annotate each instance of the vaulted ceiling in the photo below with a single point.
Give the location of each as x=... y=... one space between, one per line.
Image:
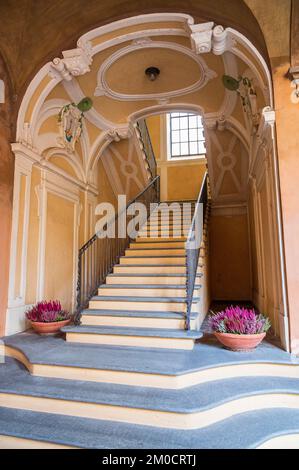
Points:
x=34 y=32
x=109 y=66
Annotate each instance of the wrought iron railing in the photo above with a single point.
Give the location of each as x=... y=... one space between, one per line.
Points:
x=98 y=256
x=193 y=243
x=147 y=146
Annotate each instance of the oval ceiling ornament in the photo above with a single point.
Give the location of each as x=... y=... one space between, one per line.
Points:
x=103 y=89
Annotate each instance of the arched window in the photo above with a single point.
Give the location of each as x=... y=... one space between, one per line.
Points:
x=185 y=135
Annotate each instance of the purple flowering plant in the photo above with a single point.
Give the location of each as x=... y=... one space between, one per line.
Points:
x=46 y=312
x=239 y=321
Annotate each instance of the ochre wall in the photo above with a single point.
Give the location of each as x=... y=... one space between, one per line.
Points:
x=184 y=182
x=180 y=179
x=59 y=250
x=32 y=239
x=229 y=257
x=6 y=191
x=287 y=125
x=61 y=218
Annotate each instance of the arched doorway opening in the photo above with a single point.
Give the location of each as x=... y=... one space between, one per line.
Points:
x=109 y=65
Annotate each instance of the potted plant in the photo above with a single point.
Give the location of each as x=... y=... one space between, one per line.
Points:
x=48 y=317
x=239 y=328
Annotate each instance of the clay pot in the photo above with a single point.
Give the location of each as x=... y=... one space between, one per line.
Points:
x=240 y=342
x=49 y=328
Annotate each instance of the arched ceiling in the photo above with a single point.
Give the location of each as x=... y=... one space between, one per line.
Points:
x=109 y=66
x=34 y=32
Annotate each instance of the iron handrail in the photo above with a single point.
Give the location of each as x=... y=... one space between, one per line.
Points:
x=97 y=256
x=147 y=146
x=193 y=247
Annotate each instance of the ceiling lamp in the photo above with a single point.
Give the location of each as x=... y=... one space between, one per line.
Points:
x=152 y=73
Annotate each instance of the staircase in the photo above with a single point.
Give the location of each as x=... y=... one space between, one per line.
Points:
x=143 y=302
x=137 y=373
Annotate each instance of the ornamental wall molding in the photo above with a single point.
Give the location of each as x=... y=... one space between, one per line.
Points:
x=264 y=137
x=29 y=157
x=102 y=142
x=103 y=89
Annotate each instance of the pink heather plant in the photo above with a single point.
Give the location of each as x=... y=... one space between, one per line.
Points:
x=239 y=321
x=46 y=312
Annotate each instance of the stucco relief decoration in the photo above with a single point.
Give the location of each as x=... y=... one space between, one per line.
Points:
x=294 y=77
x=206 y=38
x=244 y=87
x=75 y=62
x=103 y=88
x=70 y=119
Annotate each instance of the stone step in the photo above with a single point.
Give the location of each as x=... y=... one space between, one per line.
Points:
x=151 y=269
x=35 y=429
x=52 y=356
x=132 y=337
x=168 y=304
x=154 y=290
x=155 y=252
x=196 y=408
x=140 y=319
x=150 y=260
x=148 y=279
x=161 y=244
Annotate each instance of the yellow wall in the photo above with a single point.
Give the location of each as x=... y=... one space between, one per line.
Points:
x=180 y=179
x=184 y=181
x=229 y=257
x=59 y=250
x=20 y=235
x=32 y=250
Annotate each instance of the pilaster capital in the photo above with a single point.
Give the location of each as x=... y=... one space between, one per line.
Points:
x=206 y=38
x=75 y=62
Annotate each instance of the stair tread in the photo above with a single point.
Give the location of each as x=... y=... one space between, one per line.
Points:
x=100 y=434
x=134 y=313
x=153 y=248
x=15 y=379
x=130 y=331
x=162 y=256
x=151 y=275
x=151 y=265
x=207 y=353
x=145 y=286
x=142 y=299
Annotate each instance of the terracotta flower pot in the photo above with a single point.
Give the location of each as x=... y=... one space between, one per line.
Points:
x=49 y=328
x=240 y=342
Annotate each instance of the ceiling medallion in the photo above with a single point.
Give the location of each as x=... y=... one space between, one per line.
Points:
x=103 y=89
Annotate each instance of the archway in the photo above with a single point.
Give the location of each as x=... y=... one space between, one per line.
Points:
x=108 y=64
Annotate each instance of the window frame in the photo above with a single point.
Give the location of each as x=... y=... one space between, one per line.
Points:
x=169 y=131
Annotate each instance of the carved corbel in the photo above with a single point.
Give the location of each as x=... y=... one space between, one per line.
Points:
x=26 y=138
x=206 y=38
x=211 y=124
x=116 y=135
x=222 y=124
x=201 y=37
x=75 y=62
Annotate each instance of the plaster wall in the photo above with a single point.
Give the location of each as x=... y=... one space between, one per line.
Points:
x=229 y=257
x=180 y=179
x=287 y=126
